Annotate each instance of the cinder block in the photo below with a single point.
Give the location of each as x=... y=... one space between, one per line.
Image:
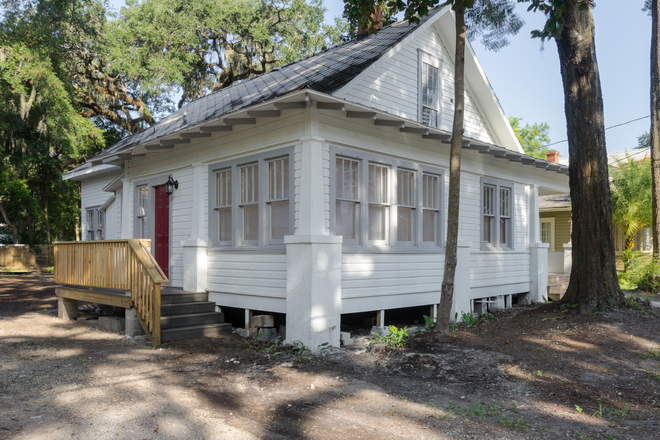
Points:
x=132 y=325
x=282 y=332
x=67 y=308
x=112 y=323
x=263 y=321
x=347 y=342
x=267 y=333
x=344 y=336
x=383 y=331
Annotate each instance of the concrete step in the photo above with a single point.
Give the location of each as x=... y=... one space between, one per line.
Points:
x=191 y=319
x=187 y=308
x=170 y=296
x=554 y=279
x=195 y=331
x=557 y=287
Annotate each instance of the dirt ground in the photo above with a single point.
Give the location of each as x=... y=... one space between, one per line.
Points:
x=533 y=372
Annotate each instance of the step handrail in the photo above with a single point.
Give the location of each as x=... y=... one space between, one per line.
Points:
x=125 y=264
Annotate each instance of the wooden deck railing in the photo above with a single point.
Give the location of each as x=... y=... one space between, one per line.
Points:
x=115 y=264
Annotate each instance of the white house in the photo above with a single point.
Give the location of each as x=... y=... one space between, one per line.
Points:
x=319 y=189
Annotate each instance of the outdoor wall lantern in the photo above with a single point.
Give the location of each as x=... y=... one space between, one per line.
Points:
x=171 y=185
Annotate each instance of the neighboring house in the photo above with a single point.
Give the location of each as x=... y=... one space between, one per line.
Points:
x=320 y=188
x=555 y=220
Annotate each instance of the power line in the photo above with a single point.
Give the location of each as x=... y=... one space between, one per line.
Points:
x=606 y=128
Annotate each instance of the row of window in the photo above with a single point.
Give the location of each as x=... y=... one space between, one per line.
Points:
x=375 y=202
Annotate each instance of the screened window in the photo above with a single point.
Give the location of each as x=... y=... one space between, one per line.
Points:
x=347 y=201
x=223 y=211
x=100 y=227
x=429 y=95
x=143 y=207
x=406 y=204
x=378 y=202
x=384 y=203
x=430 y=207
x=278 y=197
x=429 y=89
x=91 y=224
x=497 y=221
x=250 y=200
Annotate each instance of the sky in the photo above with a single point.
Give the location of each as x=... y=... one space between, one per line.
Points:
x=527 y=80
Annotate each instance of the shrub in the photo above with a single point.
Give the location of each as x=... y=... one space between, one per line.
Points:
x=645 y=277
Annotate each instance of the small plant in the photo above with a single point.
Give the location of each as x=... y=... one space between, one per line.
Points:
x=514 y=422
x=539 y=373
x=468 y=318
x=300 y=350
x=578 y=409
x=323 y=347
x=453 y=328
x=429 y=322
x=564 y=308
x=396 y=338
x=405 y=399
x=599 y=412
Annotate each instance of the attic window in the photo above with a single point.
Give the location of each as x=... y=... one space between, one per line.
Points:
x=429 y=90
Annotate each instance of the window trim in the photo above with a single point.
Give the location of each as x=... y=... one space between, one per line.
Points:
x=435 y=61
x=362 y=242
x=495 y=244
x=95 y=222
x=264 y=211
x=550 y=220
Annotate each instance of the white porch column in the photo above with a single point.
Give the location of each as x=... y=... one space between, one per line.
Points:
x=538 y=259
x=195 y=264
x=313 y=282
x=126 y=209
x=461 y=302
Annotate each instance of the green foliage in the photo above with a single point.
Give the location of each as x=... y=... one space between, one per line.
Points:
x=630 y=188
x=533 y=138
x=201 y=47
x=395 y=339
x=642 y=276
x=554 y=10
x=429 y=323
x=493 y=20
x=643 y=141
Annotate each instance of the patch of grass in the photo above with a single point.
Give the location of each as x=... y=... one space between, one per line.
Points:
x=514 y=422
x=652 y=352
x=49 y=269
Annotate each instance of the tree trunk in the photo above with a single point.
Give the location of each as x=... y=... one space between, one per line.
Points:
x=593 y=284
x=655 y=125
x=447 y=297
x=44 y=197
x=8 y=223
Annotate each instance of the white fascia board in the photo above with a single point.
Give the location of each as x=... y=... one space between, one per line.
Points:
x=341 y=93
x=114 y=185
x=88 y=172
x=477 y=82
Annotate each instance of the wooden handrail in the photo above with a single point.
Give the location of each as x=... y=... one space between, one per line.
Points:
x=115 y=264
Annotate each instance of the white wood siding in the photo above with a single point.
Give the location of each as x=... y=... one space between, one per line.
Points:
x=93 y=196
x=181 y=202
x=391 y=84
x=248 y=280
x=383 y=281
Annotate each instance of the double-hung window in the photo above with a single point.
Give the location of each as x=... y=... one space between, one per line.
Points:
x=406 y=204
x=250 y=200
x=347 y=199
x=429 y=90
x=384 y=203
x=497 y=210
x=142 y=210
x=95 y=224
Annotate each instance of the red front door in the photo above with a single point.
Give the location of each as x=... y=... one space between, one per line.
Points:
x=162 y=230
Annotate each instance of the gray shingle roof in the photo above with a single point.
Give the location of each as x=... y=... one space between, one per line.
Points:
x=325 y=72
x=555 y=201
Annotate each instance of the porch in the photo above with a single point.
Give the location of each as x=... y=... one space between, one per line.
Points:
x=123 y=273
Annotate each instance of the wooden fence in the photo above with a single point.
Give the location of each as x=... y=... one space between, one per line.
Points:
x=115 y=264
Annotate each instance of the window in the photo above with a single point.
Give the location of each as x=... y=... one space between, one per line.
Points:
x=143 y=208
x=430 y=207
x=429 y=89
x=278 y=198
x=548 y=232
x=378 y=203
x=406 y=204
x=347 y=199
x=250 y=200
x=95 y=224
x=385 y=203
x=497 y=210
